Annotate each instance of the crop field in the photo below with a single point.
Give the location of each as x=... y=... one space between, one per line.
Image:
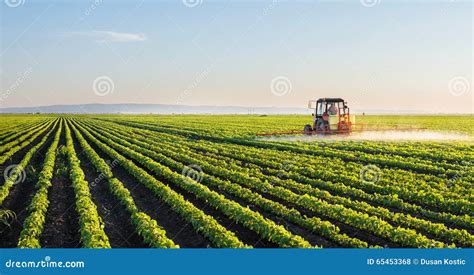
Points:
x=206 y=181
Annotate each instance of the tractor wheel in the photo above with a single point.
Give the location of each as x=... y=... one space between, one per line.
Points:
x=308 y=130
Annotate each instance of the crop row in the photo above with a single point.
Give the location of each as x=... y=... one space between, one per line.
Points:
x=332 y=155
x=19 y=169
x=270 y=158
x=334 y=181
x=430 y=198
x=23 y=135
x=330 y=179
x=18 y=130
x=242 y=215
x=146 y=227
x=34 y=224
x=439 y=230
x=90 y=223
x=14 y=147
x=353 y=218
x=314 y=224
x=385 y=161
x=232 y=129
x=433 y=229
x=203 y=223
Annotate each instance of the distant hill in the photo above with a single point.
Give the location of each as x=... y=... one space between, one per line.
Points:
x=178 y=109
x=152 y=109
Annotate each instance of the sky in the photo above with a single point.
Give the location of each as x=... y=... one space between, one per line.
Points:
x=376 y=54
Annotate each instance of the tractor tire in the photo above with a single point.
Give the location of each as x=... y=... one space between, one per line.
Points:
x=307 y=129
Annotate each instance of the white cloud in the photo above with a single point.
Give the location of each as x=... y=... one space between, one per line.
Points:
x=109 y=36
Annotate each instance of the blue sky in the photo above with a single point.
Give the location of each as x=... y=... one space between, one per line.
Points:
x=377 y=54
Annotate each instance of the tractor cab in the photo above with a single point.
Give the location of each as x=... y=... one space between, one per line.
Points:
x=330 y=116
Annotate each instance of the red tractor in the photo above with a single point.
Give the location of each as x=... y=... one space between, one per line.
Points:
x=331 y=116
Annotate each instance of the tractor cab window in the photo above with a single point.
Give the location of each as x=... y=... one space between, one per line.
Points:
x=333 y=108
x=341 y=108
x=344 y=109
x=321 y=108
